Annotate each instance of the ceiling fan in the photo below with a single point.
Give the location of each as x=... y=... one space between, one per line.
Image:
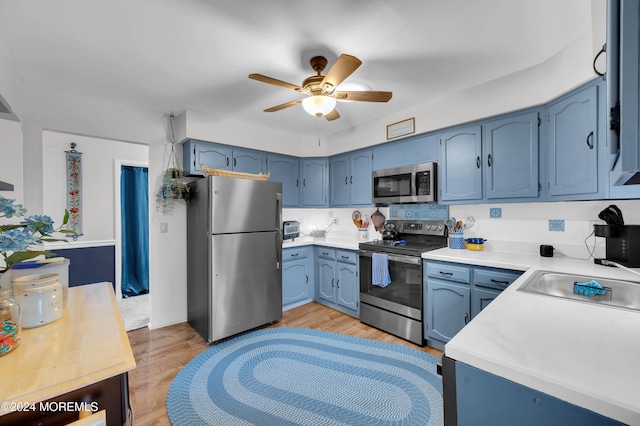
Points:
x=321 y=88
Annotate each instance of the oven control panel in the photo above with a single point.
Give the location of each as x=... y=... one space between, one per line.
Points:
x=420 y=227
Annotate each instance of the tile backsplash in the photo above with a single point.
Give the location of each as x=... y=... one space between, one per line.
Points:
x=568 y=226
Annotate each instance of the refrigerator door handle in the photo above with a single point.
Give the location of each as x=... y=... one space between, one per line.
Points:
x=279 y=211
x=279 y=228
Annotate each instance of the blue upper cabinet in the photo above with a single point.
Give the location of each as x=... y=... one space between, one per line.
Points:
x=414 y=150
x=223 y=157
x=460 y=165
x=213 y=155
x=360 y=184
x=573 y=145
x=339 y=178
x=249 y=161
x=629 y=91
x=286 y=169
x=511 y=157
x=350 y=179
x=315 y=180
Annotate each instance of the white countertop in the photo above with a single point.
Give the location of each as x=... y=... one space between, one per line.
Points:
x=335 y=242
x=586 y=354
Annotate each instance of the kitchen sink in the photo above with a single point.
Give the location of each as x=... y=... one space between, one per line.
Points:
x=616 y=293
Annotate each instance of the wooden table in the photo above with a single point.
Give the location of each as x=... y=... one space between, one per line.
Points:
x=79 y=361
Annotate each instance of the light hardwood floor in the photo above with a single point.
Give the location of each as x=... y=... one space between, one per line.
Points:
x=161 y=353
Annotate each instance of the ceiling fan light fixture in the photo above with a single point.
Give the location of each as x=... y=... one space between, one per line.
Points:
x=319 y=105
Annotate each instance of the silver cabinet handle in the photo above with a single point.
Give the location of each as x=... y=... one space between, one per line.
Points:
x=466 y=318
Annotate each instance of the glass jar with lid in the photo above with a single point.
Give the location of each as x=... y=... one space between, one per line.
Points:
x=11 y=331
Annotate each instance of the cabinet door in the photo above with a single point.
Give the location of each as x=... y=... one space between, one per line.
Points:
x=480 y=298
x=511 y=157
x=295 y=281
x=447 y=309
x=629 y=86
x=485 y=399
x=347 y=285
x=339 y=178
x=214 y=156
x=326 y=280
x=248 y=161
x=461 y=165
x=286 y=170
x=360 y=184
x=314 y=182
x=573 y=144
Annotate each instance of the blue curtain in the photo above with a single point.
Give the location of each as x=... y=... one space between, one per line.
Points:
x=134 y=195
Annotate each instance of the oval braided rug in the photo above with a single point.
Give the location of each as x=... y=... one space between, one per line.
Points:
x=294 y=376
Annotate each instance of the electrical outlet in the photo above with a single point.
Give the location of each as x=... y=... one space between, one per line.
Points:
x=335 y=220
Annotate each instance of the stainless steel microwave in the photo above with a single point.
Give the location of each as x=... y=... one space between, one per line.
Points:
x=409 y=184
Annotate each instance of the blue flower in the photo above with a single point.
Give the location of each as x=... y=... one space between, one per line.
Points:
x=38 y=223
x=16 y=240
x=9 y=209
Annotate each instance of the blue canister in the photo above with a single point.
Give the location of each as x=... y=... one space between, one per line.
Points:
x=456 y=240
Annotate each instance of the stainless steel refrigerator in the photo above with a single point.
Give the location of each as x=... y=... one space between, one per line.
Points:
x=234 y=255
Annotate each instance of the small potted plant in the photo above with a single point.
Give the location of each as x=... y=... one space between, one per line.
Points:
x=172 y=186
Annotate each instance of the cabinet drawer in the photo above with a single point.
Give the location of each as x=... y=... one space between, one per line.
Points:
x=495 y=279
x=294 y=253
x=346 y=256
x=327 y=253
x=448 y=272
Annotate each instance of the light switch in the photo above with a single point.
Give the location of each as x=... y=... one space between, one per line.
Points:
x=164 y=227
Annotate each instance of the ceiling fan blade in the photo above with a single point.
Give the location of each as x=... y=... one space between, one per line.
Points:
x=275 y=82
x=283 y=106
x=344 y=66
x=333 y=115
x=364 y=96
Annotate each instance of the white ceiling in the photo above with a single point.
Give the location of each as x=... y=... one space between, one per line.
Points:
x=172 y=55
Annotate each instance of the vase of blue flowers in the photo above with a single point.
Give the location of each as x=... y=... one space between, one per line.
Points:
x=17 y=239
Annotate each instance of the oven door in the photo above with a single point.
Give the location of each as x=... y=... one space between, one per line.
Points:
x=403 y=295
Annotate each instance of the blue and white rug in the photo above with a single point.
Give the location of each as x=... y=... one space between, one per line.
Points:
x=294 y=376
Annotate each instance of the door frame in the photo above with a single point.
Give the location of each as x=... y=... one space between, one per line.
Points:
x=118 y=163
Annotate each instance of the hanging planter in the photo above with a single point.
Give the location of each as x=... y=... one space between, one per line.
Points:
x=173 y=185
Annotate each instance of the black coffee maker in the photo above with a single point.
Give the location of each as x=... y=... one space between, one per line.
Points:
x=622 y=243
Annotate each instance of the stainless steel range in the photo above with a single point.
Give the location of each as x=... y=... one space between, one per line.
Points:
x=397 y=308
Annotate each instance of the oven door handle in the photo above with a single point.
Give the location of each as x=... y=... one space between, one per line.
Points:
x=395 y=258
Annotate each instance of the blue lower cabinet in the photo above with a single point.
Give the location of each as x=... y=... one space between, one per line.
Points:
x=482 y=398
x=454 y=293
x=338 y=281
x=448 y=310
x=297 y=284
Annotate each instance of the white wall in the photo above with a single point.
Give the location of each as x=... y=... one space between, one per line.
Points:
x=534 y=86
x=199 y=125
x=98 y=180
